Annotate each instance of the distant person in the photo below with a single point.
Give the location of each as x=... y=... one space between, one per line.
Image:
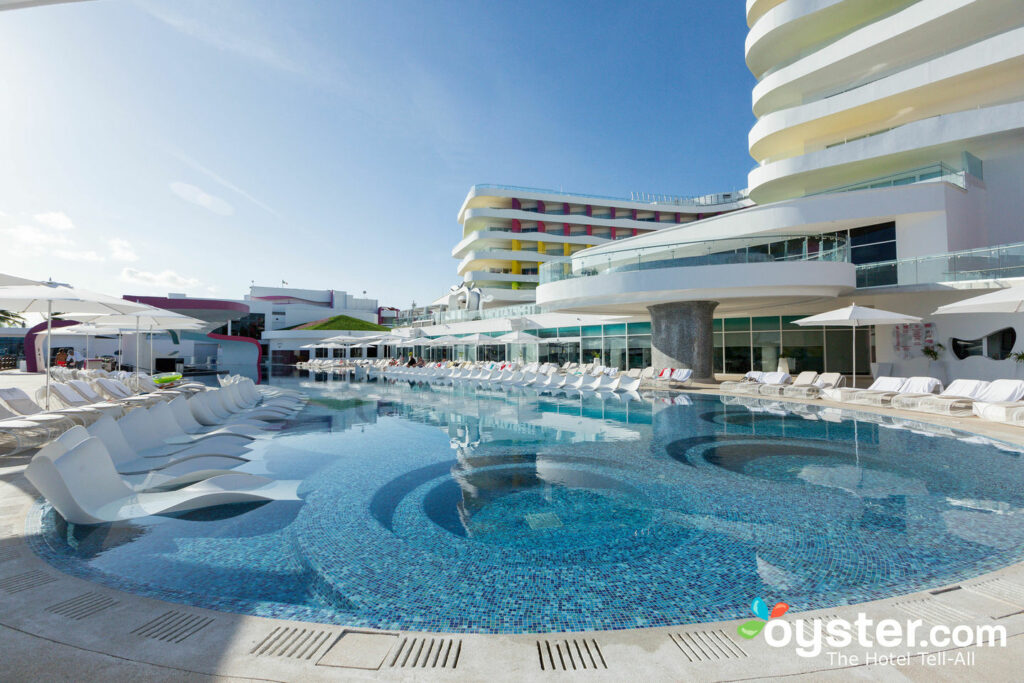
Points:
x=62 y=357
x=411 y=363
x=70 y=360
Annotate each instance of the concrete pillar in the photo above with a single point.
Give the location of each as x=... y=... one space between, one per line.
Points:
x=682 y=337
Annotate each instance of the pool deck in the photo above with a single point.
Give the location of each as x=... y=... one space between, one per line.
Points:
x=57 y=627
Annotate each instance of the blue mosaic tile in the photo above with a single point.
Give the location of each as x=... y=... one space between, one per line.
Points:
x=433 y=508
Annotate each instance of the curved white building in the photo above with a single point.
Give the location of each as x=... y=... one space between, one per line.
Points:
x=856 y=93
x=891 y=130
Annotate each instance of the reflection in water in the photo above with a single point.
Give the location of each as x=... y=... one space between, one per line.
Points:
x=475 y=508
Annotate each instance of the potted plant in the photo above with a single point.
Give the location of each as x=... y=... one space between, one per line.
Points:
x=1018 y=359
x=935 y=368
x=934 y=351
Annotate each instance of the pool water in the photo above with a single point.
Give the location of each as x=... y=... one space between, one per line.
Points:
x=503 y=511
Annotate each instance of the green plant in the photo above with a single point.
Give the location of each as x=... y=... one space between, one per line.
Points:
x=933 y=351
x=8 y=319
x=1017 y=356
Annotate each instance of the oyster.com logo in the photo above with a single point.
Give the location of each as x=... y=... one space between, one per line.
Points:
x=759 y=607
x=913 y=637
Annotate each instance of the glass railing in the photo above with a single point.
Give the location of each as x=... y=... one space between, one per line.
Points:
x=987 y=263
x=759 y=249
x=647 y=198
x=923 y=174
x=516 y=311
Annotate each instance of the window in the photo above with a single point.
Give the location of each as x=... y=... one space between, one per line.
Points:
x=996 y=346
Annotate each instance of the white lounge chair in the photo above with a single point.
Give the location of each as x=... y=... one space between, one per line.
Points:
x=83 y=486
x=629 y=382
x=847 y=394
x=767 y=379
x=19 y=402
x=19 y=434
x=805 y=379
x=170 y=477
x=917 y=386
x=128 y=460
x=1001 y=401
x=827 y=380
x=754 y=376
x=956 y=399
x=70 y=398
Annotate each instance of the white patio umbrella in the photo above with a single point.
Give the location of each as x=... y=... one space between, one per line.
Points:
x=88 y=330
x=340 y=339
x=855 y=316
x=477 y=338
x=1009 y=300
x=518 y=337
x=12 y=280
x=53 y=299
x=148 y=319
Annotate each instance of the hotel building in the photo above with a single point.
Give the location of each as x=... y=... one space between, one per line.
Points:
x=508 y=232
x=890 y=171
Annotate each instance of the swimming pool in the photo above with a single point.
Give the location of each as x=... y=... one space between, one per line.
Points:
x=483 y=510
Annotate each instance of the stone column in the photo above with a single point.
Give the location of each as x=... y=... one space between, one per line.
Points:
x=681 y=337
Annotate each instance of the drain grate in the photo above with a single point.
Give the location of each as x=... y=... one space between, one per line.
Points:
x=934 y=612
x=292 y=643
x=570 y=655
x=707 y=646
x=82 y=606
x=25 y=581
x=173 y=626
x=1000 y=589
x=427 y=653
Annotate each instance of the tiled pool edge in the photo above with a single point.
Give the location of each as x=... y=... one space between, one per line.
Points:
x=217 y=643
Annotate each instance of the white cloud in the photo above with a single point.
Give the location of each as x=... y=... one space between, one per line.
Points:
x=220 y=34
x=166 y=279
x=122 y=250
x=77 y=255
x=224 y=182
x=32 y=238
x=194 y=195
x=58 y=220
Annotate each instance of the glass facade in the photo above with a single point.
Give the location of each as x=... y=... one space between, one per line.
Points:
x=741 y=345
x=744 y=344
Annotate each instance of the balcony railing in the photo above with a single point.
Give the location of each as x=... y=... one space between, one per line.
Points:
x=643 y=197
x=923 y=174
x=760 y=249
x=989 y=263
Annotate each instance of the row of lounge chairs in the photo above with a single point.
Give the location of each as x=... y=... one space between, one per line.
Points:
x=145 y=454
x=806 y=384
x=545 y=376
x=1001 y=400
x=549 y=376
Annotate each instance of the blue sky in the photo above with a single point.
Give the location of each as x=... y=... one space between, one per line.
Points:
x=151 y=146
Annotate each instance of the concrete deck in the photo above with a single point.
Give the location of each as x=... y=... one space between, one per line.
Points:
x=57 y=627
